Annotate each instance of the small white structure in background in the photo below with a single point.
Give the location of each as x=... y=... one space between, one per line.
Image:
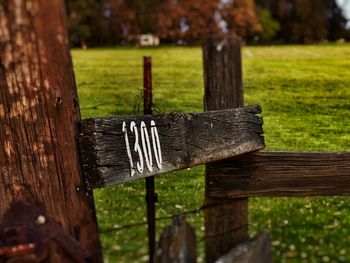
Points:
x=148 y=40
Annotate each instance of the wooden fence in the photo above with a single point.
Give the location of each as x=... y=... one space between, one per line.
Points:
x=120 y=149
x=45 y=195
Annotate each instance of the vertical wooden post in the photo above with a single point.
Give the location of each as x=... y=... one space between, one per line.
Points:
x=39 y=117
x=151 y=196
x=226 y=221
x=177 y=243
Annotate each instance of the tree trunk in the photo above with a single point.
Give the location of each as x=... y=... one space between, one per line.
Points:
x=39 y=116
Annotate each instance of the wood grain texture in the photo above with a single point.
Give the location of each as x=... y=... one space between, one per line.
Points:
x=177 y=243
x=282 y=174
x=222 y=73
x=258 y=249
x=226 y=223
x=186 y=140
x=39 y=116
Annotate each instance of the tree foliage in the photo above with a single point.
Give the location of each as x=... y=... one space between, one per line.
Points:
x=145 y=14
x=306 y=21
x=189 y=20
x=103 y=22
x=186 y=20
x=269 y=25
x=107 y=22
x=113 y=21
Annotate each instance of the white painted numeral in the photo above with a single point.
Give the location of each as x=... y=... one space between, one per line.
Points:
x=137 y=147
x=125 y=131
x=146 y=150
x=146 y=146
x=156 y=145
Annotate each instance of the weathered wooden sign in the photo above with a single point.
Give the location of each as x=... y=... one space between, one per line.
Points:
x=121 y=149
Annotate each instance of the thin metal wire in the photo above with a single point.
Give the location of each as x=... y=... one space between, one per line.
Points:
x=189 y=212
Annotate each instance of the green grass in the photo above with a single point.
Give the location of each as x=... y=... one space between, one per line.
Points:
x=305 y=95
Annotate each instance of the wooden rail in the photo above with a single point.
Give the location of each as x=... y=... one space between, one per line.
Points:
x=282 y=174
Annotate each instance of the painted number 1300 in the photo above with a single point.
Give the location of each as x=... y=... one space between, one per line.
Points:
x=144 y=149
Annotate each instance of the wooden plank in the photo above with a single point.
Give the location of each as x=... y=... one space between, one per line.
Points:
x=226 y=222
x=255 y=250
x=185 y=140
x=178 y=243
x=39 y=116
x=282 y=174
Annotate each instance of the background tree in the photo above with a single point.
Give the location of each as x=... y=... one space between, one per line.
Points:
x=119 y=21
x=269 y=25
x=145 y=17
x=104 y=22
x=306 y=21
x=110 y=22
x=241 y=17
x=337 y=23
x=80 y=16
x=189 y=20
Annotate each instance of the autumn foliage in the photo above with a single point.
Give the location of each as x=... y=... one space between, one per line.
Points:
x=189 y=20
x=109 y=22
x=182 y=20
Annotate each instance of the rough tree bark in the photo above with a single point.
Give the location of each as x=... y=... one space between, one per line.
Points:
x=39 y=116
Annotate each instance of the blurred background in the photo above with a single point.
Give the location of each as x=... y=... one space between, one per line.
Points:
x=113 y=22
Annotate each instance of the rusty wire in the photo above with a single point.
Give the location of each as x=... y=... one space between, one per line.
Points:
x=189 y=212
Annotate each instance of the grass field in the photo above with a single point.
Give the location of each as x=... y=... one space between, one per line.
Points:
x=305 y=95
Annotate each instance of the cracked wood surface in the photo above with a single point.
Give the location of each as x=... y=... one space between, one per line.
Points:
x=39 y=116
x=282 y=174
x=226 y=223
x=185 y=140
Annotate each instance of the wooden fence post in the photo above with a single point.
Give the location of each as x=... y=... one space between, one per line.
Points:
x=177 y=243
x=226 y=221
x=257 y=249
x=39 y=117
